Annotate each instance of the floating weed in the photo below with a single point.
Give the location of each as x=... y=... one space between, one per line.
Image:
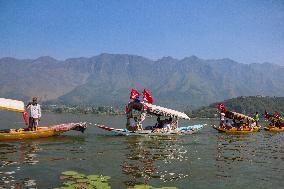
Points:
x=79 y=176
x=68 y=183
x=93 y=177
x=82 y=180
x=69 y=173
x=75 y=180
x=142 y=186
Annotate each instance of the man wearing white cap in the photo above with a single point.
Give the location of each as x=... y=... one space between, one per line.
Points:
x=34 y=111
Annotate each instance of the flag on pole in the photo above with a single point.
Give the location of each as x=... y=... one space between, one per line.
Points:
x=134 y=94
x=147 y=97
x=221 y=107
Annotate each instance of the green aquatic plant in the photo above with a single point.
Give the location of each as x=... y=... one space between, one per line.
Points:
x=69 y=173
x=76 y=180
x=143 y=186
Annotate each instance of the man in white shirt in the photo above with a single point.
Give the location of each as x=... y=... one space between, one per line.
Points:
x=34 y=111
x=222 y=117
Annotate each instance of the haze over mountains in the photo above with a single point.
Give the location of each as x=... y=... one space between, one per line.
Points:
x=107 y=79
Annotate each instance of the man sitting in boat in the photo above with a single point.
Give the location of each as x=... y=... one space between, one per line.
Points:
x=159 y=124
x=228 y=124
x=34 y=112
x=253 y=124
x=164 y=125
x=167 y=125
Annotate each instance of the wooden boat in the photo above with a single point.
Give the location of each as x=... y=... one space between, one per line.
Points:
x=137 y=111
x=41 y=132
x=274 y=129
x=276 y=122
x=155 y=132
x=19 y=134
x=234 y=130
x=246 y=124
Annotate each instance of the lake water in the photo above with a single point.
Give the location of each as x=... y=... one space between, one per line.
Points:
x=207 y=159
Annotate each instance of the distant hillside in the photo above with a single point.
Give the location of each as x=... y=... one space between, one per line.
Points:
x=246 y=105
x=106 y=79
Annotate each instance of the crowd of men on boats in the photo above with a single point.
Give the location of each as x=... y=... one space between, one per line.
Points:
x=240 y=121
x=136 y=113
x=275 y=119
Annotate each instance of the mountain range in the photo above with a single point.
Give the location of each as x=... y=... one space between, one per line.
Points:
x=107 y=79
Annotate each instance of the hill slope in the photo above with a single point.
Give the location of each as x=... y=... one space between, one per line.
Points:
x=246 y=105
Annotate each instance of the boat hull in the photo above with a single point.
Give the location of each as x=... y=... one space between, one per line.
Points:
x=41 y=132
x=158 y=132
x=274 y=129
x=234 y=130
x=20 y=135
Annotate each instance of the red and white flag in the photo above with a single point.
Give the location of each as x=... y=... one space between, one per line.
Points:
x=276 y=115
x=134 y=94
x=147 y=97
x=221 y=107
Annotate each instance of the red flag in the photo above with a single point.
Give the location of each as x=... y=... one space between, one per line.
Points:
x=276 y=115
x=266 y=115
x=134 y=94
x=221 y=107
x=147 y=97
x=25 y=114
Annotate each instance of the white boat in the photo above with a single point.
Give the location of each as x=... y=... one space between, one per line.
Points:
x=140 y=110
x=179 y=131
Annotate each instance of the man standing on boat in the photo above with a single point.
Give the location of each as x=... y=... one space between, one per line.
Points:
x=256 y=118
x=34 y=111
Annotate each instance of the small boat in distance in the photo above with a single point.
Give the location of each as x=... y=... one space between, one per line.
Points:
x=241 y=123
x=276 y=122
x=25 y=133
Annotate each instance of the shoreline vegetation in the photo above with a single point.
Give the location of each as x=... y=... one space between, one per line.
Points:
x=100 y=110
x=245 y=105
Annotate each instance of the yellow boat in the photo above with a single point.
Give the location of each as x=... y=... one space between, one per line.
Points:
x=41 y=132
x=273 y=129
x=234 y=130
x=19 y=134
x=275 y=122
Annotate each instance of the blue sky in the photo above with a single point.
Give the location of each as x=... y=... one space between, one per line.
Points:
x=242 y=30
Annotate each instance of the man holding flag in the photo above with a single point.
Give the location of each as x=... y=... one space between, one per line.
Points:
x=138 y=115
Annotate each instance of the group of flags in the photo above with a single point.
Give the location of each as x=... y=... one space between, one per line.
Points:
x=147 y=97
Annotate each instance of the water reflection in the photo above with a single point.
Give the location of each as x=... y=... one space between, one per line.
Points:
x=17 y=158
x=261 y=152
x=153 y=158
x=13 y=157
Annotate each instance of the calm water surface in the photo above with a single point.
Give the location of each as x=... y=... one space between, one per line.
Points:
x=207 y=159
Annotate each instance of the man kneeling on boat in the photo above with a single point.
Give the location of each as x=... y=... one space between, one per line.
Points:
x=34 y=112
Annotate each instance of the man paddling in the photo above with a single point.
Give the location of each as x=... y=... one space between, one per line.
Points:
x=34 y=111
